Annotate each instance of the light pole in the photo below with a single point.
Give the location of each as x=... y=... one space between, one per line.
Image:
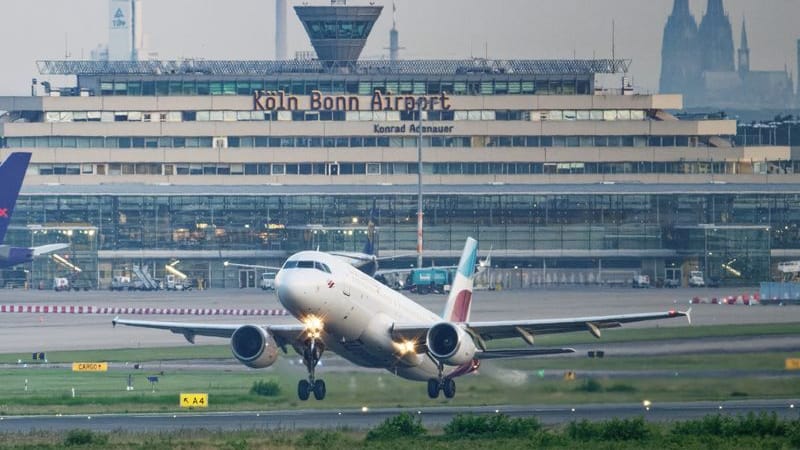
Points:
x=419 y=183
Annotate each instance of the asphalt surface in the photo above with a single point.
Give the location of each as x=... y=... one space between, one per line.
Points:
x=23 y=332
x=363 y=419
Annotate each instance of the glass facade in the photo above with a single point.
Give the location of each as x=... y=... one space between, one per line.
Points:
x=728 y=235
x=299 y=84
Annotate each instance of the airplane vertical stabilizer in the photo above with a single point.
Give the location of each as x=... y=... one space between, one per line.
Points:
x=460 y=299
x=12 y=172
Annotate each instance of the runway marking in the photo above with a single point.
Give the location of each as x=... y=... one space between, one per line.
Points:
x=138 y=311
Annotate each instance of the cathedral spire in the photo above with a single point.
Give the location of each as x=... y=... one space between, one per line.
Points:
x=744 y=52
x=680 y=7
x=744 y=45
x=716 y=39
x=715 y=8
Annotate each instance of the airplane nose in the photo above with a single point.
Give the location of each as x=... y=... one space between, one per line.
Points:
x=292 y=289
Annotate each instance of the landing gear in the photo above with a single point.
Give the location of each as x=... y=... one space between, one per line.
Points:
x=305 y=388
x=319 y=389
x=433 y=388
x=312 y=352
x=443 y=384
x=449 y=387
x=446 y=385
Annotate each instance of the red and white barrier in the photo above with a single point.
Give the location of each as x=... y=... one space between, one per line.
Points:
x=138 y=311
x=744 y=299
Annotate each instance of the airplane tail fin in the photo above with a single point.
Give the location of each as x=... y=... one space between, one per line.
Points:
x=12 y=172
x=459 y=302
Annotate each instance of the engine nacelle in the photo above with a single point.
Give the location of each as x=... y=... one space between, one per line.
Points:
x=450 y=344
x=254 y=347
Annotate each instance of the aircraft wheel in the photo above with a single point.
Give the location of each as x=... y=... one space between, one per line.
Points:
x=319 y=389
x=303 y=389
x=449 y=387
x=433 y=388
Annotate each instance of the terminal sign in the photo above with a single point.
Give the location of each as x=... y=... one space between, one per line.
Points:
x=194 y=400
x=317 y=101
x=90 y=367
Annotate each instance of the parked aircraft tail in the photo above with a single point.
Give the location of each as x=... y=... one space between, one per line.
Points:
x=12 y=172
x=459 y=302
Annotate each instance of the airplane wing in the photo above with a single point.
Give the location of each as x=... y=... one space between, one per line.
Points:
x=522 y=352
x=45 y=249
x=529 y=329
x=283 y=334
x=251 y=266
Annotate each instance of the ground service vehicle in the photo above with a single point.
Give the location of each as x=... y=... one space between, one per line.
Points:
x=696 y=279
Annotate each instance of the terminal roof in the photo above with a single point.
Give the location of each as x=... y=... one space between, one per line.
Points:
x=380 y=189
x=367 y=67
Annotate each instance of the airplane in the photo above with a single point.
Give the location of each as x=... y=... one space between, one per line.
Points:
x=12 y=172
x=342 y=310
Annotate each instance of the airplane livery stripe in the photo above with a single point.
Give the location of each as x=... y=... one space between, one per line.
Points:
x=461 y=307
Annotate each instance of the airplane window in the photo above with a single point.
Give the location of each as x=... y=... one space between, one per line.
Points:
x=321 y=266
x=305 y=264
x=290 y=265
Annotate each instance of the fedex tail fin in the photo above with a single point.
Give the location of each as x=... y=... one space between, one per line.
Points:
x=460 y=299
x=12 y=172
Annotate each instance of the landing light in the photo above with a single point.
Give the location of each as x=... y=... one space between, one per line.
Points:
x=313 y=325
x=405 y=347
x=646 y=403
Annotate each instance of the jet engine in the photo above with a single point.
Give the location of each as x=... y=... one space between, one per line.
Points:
x=254 y=347
x=450 y=344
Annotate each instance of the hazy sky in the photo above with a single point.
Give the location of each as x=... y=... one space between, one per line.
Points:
x=244 y=29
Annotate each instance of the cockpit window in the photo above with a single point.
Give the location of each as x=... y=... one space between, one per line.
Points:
x=322 y=267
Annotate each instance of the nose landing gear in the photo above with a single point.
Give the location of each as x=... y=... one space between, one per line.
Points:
x=312 y=352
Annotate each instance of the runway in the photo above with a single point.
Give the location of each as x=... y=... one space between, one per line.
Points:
x=27 y=332
x=364 y=419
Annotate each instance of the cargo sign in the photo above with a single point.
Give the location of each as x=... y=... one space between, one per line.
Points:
x=792 y=363
x=194 y=400
x=90 y=367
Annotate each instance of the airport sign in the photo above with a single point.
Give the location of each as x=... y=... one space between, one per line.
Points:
x=90 y=367
x=194 y=400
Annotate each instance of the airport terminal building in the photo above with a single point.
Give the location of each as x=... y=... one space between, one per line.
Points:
x=566 y=180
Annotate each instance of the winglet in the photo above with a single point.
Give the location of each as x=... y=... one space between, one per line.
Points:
x=114 y=321
x=688 y=314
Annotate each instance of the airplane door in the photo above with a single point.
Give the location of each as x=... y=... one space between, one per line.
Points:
x=333 y=169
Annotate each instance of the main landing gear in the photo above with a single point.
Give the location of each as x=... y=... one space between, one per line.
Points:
x=312 y=352
x=443 y=384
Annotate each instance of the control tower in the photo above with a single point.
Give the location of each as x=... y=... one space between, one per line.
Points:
x=338 y=32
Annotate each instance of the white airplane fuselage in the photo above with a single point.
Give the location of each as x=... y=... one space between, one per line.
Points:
x=357 y=312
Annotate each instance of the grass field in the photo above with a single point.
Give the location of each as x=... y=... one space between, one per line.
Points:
x=463 y=432
x=43 y=389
